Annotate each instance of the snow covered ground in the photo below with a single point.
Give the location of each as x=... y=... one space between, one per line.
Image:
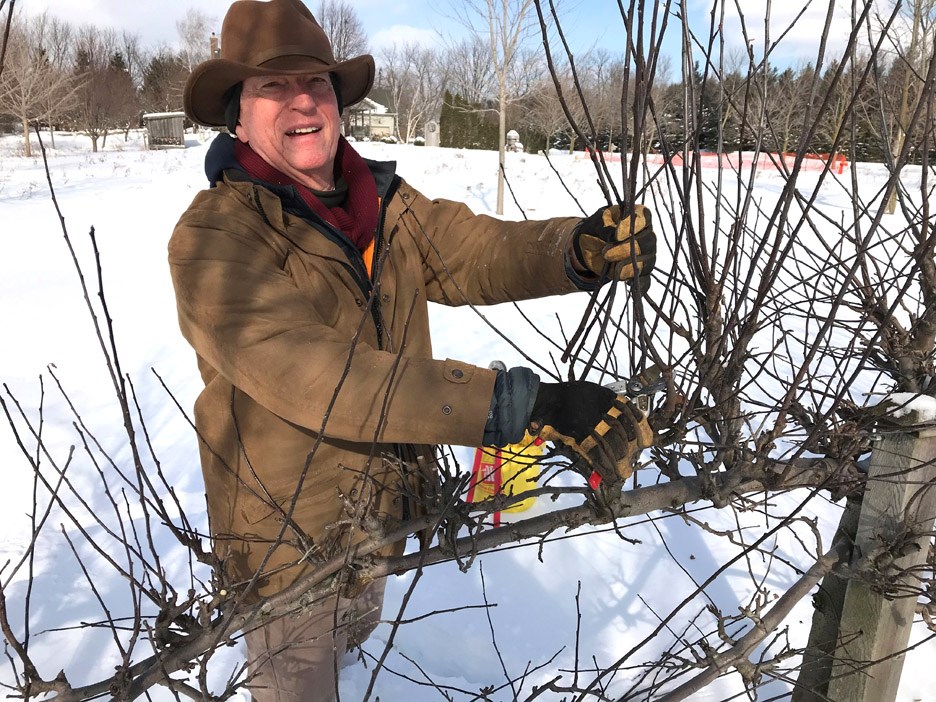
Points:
x=593 y=596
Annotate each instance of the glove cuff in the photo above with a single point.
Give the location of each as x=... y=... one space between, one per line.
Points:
x=573 y=255
x=515 y=392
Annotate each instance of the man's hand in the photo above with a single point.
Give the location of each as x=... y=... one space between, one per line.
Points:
x=603 y=428
x=626 y=244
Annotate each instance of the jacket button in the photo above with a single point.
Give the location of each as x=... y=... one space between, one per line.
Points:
x=359 y=302
x=457 y=373
x=385 y=298
x=446 y=409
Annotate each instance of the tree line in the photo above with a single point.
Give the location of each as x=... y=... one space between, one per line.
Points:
x=93 y=79
x=98 y=81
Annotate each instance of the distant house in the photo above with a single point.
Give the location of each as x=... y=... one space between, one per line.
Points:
x=369 y=119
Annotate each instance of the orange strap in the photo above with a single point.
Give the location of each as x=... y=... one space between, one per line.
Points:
x=368 y=254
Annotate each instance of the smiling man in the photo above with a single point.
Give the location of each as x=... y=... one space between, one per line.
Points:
x=302 y=277
x=292 y=123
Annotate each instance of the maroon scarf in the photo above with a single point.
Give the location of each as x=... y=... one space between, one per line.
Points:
x=356 y=218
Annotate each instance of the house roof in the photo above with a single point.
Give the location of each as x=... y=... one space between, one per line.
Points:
x=163 y=115
x=368 y=105
x=381 y=96
x=377 y=102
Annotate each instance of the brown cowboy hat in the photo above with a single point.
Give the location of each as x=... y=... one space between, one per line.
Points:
x=279 y=37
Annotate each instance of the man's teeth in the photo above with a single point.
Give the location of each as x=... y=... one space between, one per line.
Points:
x=307 y=130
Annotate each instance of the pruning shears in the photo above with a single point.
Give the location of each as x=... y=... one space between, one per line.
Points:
x=640 y=387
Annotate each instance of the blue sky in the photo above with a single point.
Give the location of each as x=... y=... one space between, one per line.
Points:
x=587 y=22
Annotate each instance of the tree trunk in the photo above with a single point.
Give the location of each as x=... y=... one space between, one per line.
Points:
x=896 y=146
x=906 y=104
x=812 y=684
x=501 y=141
x=27 y=149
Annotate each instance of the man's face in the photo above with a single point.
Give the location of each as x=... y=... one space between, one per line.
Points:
x=292 y=122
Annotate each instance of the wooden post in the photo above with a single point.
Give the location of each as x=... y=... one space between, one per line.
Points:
x=812 y=684
x=894 y=531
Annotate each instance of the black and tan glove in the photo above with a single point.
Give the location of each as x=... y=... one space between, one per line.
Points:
x=626 y=244
x=603 y=428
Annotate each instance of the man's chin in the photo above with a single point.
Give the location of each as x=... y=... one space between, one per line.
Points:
x=313 y=175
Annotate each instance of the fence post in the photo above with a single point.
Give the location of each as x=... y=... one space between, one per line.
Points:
x=812 y=684
x=893 y=535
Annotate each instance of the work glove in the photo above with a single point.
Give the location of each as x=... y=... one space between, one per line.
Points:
x=604 y=428
x=625 y=243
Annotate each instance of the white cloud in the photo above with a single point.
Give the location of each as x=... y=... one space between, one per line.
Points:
x=403 y=34
x=794 y=27
x=154 y=22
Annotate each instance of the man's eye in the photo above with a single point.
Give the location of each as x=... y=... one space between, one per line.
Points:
x=272 y=84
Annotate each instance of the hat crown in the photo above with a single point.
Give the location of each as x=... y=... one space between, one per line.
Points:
x=255 y=32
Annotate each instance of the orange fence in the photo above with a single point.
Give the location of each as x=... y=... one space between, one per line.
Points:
x=744 y=160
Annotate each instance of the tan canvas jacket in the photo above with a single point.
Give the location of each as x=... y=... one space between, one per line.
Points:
x=316 y=376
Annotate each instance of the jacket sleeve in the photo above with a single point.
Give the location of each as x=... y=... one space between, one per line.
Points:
x=479 y=259
x=251 y=324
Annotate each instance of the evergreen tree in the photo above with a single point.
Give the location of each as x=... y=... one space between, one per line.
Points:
x=464 y=125
x=118 y=63
x=163 y=81
x=707 y=110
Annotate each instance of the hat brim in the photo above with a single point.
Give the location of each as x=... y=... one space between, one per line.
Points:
x=203 y=99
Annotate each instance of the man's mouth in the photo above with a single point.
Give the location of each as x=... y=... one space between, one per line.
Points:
x=304 y=130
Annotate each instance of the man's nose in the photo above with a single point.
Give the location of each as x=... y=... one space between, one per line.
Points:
x=303 y=96
x=302 y=99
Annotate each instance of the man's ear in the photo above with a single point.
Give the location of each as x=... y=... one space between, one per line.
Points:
x=232 y=107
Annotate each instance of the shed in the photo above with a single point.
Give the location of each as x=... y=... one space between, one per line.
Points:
x=164 y=129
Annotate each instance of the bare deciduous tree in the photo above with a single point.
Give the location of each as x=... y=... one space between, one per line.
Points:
x=343 y=27
x=194 y=37
x=505 y=26
x=468 y=70
x=107 y=98
x=544 y=114
x=908 y=46
x=411 y=75
x=37 y=84
x=602 y=76
x=785 y=106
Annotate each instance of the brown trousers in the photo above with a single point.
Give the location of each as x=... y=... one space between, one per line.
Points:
x=296 y=658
